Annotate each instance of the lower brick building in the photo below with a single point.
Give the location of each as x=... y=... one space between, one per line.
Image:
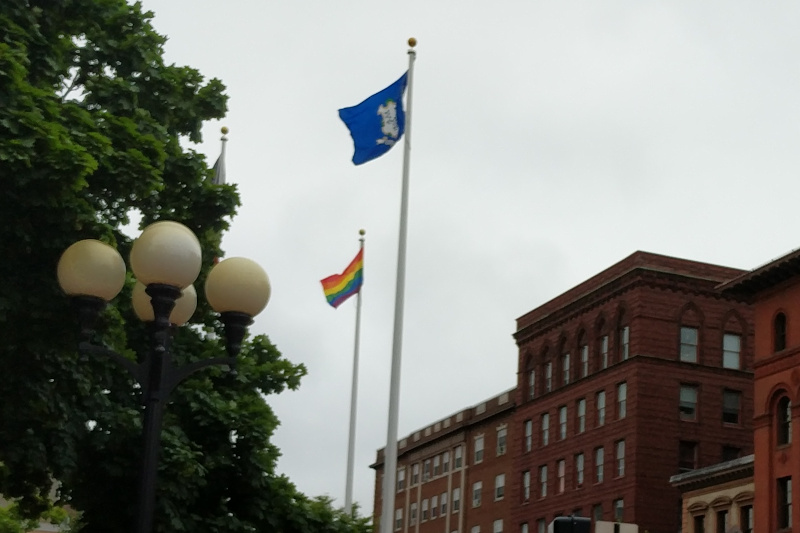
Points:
x=637 y=374
x=454 y=474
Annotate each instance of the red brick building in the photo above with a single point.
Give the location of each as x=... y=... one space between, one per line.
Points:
x=637 y=374
x=774 y=290
x=454 y=475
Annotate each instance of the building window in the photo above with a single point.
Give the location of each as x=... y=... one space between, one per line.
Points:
x=687 y=456
x=562 y=475
x=528 y=435
x=699 y=524
x=541 y=526
x=424 y=510
x=412 y=514
x=729 y=453
x=543 y=481
x=443 y=499
x=597 y=512
x=624 y=343
x=476 y=493
x=785 y=502
x=478 y=449
x=562 y=422
x=746 y=518
x=584 y=360
x=497 y=527
x=458 y=457
x=688 y=344
x=619 y=507
x=426 y=470
x=579 y=470
x=437 y=465
x=545 y=429
x=581 y=415
x=565 y=369
x=456 y=499
x=445 y=462
x=398 y=519
x=523 y=527
x=599 y=457
x=784 y=421
x=722 y=521
x=688 y=402
x=548 y=376
x=622 y=400
x=499 y=486
x=415 y=474
x=434 y=506
x=475 y=529
x=501 y=441
x=600 y=402
x=532 y=384
x=620 y=457
x=731 y=351
x=731 y=406
x=603 y=355
x=780 y=332
x=526 y=485
x=401 y=478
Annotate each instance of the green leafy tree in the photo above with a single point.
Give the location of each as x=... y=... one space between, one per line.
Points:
x=93 y=125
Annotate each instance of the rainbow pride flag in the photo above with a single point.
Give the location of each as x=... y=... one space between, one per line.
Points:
x=340 y=287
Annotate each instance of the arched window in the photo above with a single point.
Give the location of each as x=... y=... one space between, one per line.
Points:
x=583 y=350
x=623 y=337
x=784 y=421
x=566 y=363
x=602 y=345
x=530 y=376
x=691 y=321
x=780 y=332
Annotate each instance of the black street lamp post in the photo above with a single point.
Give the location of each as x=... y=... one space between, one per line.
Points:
x=166 y=260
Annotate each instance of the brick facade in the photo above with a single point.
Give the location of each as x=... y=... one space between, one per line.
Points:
x=633 y=312
x=774 y=290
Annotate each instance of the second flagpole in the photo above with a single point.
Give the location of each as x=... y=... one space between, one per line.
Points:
x=390 y=452
x=348 y=492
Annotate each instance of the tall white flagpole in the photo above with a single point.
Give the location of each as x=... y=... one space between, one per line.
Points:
x=348 y=492
x=390 y=452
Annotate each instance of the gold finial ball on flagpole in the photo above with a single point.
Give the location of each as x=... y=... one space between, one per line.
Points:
x=362 y=232
x=412 y=42
x=224 y=130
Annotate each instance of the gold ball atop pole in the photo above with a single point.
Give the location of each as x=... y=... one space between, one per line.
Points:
x=224 y=130
x=362 y=232
x=412 y=42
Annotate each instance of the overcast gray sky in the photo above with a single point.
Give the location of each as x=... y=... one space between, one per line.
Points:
x=551 y=140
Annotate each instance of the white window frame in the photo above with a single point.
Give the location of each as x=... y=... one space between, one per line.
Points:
x=730 y=352
x=528 y=435
x=502 y=434
x=599 y=464
x=600 y=405
x=477 y=488
x=499 y=486
x=545 y=429
x=478 y=449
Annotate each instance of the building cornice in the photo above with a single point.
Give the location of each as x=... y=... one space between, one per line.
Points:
x=740 y=468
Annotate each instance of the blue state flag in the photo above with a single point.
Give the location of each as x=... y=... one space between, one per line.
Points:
x=377 y=123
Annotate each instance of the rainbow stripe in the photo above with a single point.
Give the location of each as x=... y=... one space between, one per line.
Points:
x=340 y=287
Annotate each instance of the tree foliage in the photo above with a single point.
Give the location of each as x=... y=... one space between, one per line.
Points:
x=93 y=125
